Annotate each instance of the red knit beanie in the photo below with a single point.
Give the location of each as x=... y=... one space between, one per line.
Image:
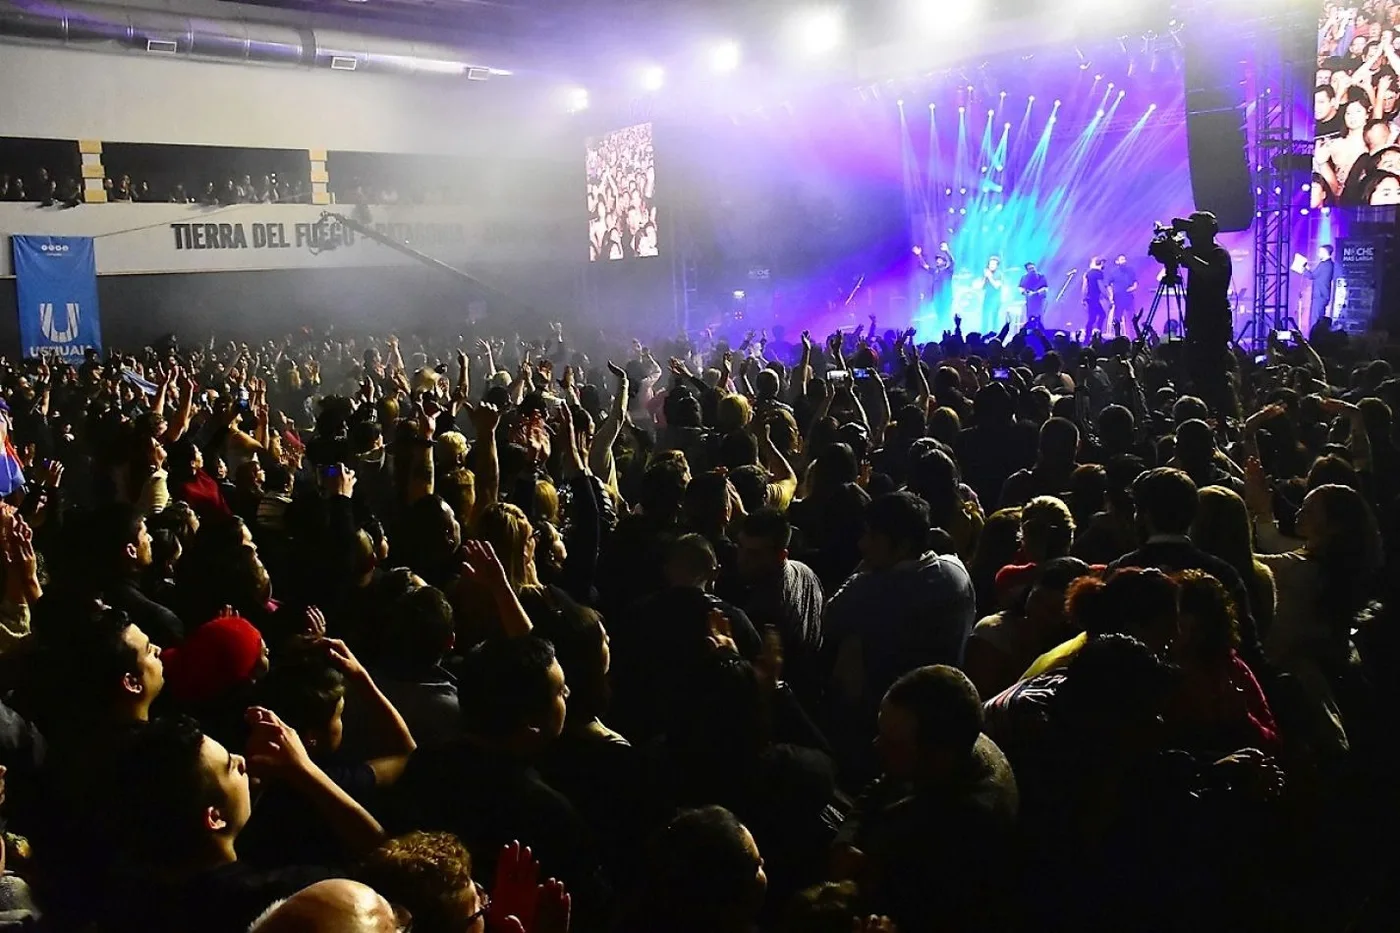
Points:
x=218 y=655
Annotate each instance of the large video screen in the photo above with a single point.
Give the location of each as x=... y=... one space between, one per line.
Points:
x=1356 y=104
x=622 y=195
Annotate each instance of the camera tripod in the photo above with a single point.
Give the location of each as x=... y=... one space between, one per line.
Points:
x=1172 y=296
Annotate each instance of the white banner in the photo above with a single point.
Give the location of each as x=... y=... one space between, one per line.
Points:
x=163 y=238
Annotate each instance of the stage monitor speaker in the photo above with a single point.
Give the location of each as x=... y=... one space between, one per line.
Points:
x=1215 y=130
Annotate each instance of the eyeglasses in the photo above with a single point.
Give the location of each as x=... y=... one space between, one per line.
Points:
x=483 y=903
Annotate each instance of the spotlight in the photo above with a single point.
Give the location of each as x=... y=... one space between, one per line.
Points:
x=1096 y=77
x=962 y=210
x=962 y=191
x=653 y=77
x=933 y=106
x=1100 y=113
x=1304 y=212
x=1110 y=85
x=962 y=110
x=1031 y=99
x=1122 y=94
x=724 y=57
x=1006 y=126
x=947 y=190
x=576 y=99
x=970 y=89
x=1057 y=103
x=819 y=31
x=1151 y=108
x=739 y=294
x=899 y=103
x=991 y=113
x=950 y=210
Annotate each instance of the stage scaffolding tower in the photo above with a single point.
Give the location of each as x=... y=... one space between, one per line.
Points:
x=1275 y=157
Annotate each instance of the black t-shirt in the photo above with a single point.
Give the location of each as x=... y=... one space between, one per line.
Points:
x=226 y=899
x=1208 y=285
x=1031 y=282
x=283 y=828
x=1093 y=286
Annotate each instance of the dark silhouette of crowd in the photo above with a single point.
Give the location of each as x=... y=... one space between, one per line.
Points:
x=468 y=633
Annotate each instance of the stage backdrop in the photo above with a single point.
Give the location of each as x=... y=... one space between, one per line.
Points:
x=57 y=295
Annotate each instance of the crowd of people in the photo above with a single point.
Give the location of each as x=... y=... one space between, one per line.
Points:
x=43 y=189
x=471 y=633
x=48 y=191
x=622 y=195
x=1357 y=105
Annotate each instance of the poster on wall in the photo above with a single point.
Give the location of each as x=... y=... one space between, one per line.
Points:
x=622 y=195
x=56 y=278
x=1359 y=276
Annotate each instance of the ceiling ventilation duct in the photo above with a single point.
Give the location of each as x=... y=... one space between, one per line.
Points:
x=104 y=28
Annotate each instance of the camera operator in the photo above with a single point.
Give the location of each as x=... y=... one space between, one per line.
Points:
x=1208 y=322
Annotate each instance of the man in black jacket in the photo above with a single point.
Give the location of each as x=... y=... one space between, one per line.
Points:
x=1165 y=502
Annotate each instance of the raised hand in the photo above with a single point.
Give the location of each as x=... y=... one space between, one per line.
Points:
x=480 y=563
x=485 y=418
x=515 y=890
x=344 y=659
x=315 y=622
x=274 y=749
x=1256 y=488
x=617 y=371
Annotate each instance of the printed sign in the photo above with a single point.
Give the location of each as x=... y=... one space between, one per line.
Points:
x=57 y=292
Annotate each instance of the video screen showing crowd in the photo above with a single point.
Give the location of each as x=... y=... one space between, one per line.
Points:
x=622 y=195
x=1356 y=106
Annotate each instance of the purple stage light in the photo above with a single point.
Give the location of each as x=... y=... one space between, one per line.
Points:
x=962 y=110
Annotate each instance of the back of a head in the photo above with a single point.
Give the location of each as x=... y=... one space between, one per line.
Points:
x=1222 y=526
x=1047 y=528
x=337 y=905
x=1195 y=443
x=767 y=384
x=934 y=477
x=1053 y=363
x=1130 y=599
x=1115 y=681
x=945 y=704
x=1167 y=498
x=93 y=658
x=752 y=484
x=691 y=558
x=1189 y=408
x=700 y=871
x=428 y=873
x=835 y=466
x=738 y=448
x=304 y=687
x=769 y=525
x=663 y=489
x=1059 y=442
x=902 y=517
x=1115 y=424
x=1059 y=573
x=157 y=789
x=505 y=685
x=993 y=404
x=423 y=628
x=706 y=499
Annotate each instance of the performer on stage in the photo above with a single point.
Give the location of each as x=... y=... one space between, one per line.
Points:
x=991 y=294
x=941 y=286
x=1035 y=287
x=1323 y=274
x=1123 y=282
x=1096 y=314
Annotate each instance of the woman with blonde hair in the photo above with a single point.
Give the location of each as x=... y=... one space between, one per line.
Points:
x=1223 y=528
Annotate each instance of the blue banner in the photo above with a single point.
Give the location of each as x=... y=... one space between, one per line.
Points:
x=57 y=284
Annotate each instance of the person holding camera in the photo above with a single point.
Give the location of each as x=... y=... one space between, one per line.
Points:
x=1208 y=322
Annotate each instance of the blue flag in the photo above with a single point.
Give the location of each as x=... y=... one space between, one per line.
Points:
x=57 y=279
